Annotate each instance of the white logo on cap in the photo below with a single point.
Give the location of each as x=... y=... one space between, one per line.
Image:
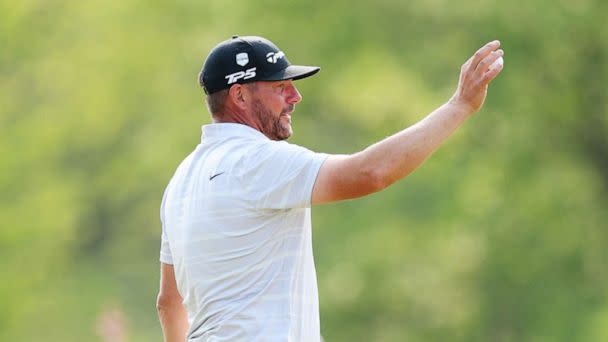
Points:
x=242 y=59
x=247 y=74
x=272 y=57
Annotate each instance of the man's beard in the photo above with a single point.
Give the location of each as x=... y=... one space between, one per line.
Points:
x=272 y=126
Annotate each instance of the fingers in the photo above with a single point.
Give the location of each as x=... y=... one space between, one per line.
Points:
x=482 y=53
x=492 y=72
x=483 y=67
x=488 y=61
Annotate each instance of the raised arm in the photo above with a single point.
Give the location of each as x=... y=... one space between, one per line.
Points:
x=171 y=311
x=383 y=163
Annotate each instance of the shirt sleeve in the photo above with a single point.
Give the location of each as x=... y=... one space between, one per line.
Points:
x=279 y=175
x=165 y=252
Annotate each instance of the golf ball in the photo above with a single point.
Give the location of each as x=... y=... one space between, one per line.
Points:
x=497 y=63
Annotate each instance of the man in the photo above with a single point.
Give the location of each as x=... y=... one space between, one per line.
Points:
x=236 y=245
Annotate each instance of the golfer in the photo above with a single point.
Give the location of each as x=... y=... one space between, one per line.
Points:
x=236 y=251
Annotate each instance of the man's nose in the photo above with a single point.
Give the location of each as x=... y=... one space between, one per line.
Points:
x=294 y=95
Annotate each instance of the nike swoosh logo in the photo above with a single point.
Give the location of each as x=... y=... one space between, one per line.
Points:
x=211 y=178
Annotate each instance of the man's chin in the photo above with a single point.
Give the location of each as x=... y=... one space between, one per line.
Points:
x=286 y=133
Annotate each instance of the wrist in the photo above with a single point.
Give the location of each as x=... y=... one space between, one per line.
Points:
x=460 y=108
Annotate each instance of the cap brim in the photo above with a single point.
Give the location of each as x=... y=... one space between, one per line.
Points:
x=292 y=72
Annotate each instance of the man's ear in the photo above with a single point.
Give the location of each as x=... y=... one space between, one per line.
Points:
x=238 y=96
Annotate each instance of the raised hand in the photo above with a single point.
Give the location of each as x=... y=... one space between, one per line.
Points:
x=475 y=76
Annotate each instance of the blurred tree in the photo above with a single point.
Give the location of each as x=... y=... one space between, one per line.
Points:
x=501 y=236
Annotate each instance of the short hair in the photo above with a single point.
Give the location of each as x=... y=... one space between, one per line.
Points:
x=216 y=101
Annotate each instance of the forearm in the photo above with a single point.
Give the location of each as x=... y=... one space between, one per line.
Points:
x=174 y=321
x=398 y=155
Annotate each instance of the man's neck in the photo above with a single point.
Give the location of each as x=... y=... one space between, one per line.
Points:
x=238 y=118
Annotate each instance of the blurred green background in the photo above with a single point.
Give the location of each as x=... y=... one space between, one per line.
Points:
x=501 y=236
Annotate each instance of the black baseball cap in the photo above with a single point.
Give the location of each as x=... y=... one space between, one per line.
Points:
x=248 y=59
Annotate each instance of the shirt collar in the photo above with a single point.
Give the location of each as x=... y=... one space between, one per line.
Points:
x=226 y=130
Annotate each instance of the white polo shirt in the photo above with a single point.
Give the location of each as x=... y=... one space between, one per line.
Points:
x=236 y=227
